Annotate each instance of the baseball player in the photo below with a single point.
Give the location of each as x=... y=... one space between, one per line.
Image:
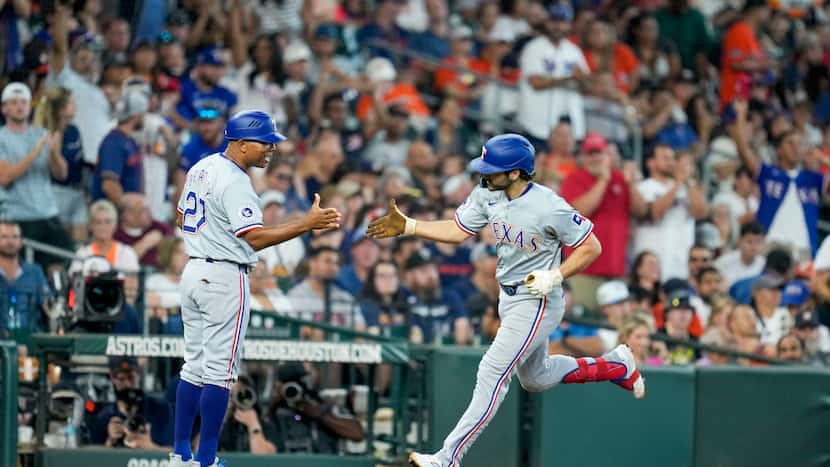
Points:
x=220 y=217
x=531 y=224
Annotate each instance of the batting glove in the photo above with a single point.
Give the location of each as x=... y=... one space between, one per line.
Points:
x=542 y=281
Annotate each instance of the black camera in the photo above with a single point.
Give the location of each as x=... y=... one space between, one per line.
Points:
x=136 y=424
x=293 y=392
x=244 y=398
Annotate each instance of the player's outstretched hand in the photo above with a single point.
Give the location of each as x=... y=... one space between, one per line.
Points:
x=319 y=219
x=390 y=225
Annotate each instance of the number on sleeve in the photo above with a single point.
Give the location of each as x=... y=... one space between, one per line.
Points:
x=193 y=217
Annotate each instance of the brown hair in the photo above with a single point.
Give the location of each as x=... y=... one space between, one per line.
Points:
x=48 y=113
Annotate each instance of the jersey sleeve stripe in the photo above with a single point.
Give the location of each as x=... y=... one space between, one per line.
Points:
x=583 y=238
x=467 y=231
x=243 y=230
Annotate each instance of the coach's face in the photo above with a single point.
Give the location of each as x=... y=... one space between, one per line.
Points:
x=257 y=153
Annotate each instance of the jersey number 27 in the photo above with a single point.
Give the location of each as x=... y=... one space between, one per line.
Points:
x=193 y=217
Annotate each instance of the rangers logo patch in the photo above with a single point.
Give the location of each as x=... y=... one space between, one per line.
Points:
x=483 y=151
x=246 y=213
x=577 y=219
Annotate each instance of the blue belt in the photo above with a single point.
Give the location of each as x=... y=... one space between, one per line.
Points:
x=510 y=289
x=242 y=267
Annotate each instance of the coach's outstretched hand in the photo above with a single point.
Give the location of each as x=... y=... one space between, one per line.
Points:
x=319 y=219
x=392 y=224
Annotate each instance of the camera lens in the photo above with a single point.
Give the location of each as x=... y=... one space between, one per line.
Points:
x=136 y=424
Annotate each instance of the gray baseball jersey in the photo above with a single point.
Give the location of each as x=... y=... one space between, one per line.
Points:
x=218 y=205
x=530 y=229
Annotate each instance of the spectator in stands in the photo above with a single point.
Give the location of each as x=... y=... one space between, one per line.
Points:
x=708 y=286
x=559 y=161
x=75 y=70
x=208 y=139
x=204 y=91
x=280 y=176
x=814 y=335
x=742 y=57
x=614 y=302
x=383 y=301
x=434 y=42
x=138 y=229
x=116 y=34
x=714 y=338
x=383 y=29
x=111 y=422
x=790 y=195
x=55 y=114
x=657 y=58
x=451 y=135
x=328 y=109
x=479 y=290
x=635 y=331
x=743 y=327
x=308 y=297
x=552 y=68
x=281 y=259
x=305 y=423
x=318 y=167
x=791 y=349
x=746 y=260
x=570 y=338
x=774 y=320
x=675 y=200
x=465 y=85
x=820 y=285
x=422 y=164
x=103 y=220
x=365 y=252
x=390 y=146
x=23 y=288
x=686 y=28
x=119 y=168
x=244 y=428
x=778 y=264
x=645 y=275
x=29 y=158
x=679 y=312
x=437 y=314
x=265 y=295
x=604 y=53
x=609 y=198
x=162 y=297
x=699 y=257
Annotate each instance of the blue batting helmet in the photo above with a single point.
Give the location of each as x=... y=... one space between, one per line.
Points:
x=504 y=153
x=252 y=125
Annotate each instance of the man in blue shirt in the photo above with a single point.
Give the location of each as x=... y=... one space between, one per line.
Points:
x=364 y=254
x=790 y=194
x=204 y=91
x=23 y=288
x=208 y=139
x=436 y=315
x=119 y=168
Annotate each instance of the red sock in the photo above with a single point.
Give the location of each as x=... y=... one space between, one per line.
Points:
x=596 y=370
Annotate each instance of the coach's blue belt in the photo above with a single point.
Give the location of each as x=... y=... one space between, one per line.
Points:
x=242 y=267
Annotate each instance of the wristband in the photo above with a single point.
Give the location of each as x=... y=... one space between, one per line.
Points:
x=409 y=229
x=256 y=431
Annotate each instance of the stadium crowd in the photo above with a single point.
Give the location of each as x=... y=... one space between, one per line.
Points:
x=694 y=134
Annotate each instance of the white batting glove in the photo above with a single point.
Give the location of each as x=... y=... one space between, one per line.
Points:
x=542 y=281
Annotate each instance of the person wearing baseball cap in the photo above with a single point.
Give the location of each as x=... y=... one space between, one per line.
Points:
x=29 y=157
x=678 y=314
x=203 y=90
x=816 y=336
x=74 y=69
x=614 y=301
x=609 y=197
x=773 y=318
x=551 y=67
x=119 y=169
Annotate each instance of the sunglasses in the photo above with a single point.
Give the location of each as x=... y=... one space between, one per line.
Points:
x=208 y=114
x=700 y=259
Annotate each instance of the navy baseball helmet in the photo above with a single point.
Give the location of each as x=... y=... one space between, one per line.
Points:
x=504 y=153
x=252 y=125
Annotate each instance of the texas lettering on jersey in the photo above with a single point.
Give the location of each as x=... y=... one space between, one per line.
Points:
x=513 y=235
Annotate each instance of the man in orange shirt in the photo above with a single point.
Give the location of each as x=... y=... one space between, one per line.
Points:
x=742 y=56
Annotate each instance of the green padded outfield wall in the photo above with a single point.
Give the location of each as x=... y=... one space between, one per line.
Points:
x=770 y=417
x=450 y=384
x=601 y=425
x=8 y=403
x=101 y=457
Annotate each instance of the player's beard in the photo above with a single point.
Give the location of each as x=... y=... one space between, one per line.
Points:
x=494 y=186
